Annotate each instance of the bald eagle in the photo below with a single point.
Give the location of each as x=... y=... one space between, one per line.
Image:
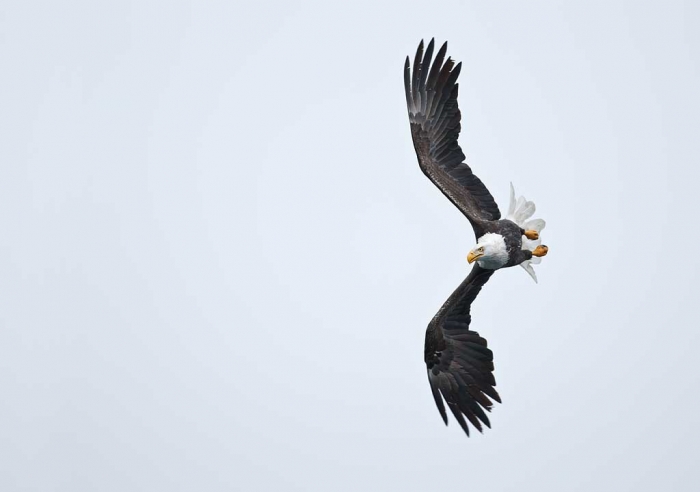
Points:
x=459 y=363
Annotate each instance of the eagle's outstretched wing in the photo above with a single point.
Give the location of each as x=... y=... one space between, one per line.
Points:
x=460 y=366
x=431 y=95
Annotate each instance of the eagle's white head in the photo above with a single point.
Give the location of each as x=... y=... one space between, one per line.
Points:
x=490 y=252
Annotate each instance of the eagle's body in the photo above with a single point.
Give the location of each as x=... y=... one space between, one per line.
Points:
x=460 y=366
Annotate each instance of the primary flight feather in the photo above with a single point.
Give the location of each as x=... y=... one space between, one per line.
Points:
x=458 y=360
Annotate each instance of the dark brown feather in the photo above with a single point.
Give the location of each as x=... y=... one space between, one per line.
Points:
x=431 y=97
x=459 y=363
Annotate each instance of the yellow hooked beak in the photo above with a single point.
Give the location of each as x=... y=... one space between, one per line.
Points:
x=472 y=256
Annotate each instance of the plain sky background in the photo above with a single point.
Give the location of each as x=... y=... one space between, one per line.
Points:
x=219 y=256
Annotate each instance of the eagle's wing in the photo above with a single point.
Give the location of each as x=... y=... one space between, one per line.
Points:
x=431 y=95
x=460 y=366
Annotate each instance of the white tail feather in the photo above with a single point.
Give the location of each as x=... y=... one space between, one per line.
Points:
x=519 y=211
x=535 y=224
x=528 y=268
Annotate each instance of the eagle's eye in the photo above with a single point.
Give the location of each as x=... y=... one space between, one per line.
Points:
x=481 y=249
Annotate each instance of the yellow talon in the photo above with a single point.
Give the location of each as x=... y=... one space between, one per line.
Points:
x=540 y=250
x=531 y=234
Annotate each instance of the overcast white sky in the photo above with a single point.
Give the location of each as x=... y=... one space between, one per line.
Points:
x=219 y=256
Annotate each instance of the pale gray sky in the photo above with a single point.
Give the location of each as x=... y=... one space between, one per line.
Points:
x=220 y=256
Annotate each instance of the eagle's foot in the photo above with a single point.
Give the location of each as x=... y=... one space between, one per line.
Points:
x=540 y=250
x=531 y=234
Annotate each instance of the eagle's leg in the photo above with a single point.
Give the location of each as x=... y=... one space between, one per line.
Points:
x=531 y=234
x=540 y=250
